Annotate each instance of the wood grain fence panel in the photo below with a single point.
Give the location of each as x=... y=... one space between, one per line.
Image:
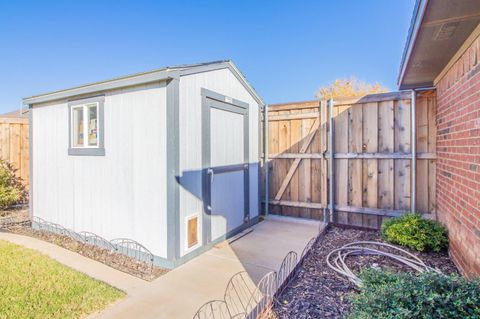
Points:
x=372 y=150
x=14 y=146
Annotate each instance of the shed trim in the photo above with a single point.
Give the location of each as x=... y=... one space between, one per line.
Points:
x=173 y=168
x=163 y=74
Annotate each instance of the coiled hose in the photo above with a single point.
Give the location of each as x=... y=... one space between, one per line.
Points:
x=336 y=258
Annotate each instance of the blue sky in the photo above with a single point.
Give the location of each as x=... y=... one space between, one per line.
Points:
x=286 y=49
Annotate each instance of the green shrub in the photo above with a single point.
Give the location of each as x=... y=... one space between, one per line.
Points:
x=413 y=231
x=11 y=191
x=407 y=295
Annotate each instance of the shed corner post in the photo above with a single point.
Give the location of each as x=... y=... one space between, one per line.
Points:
x=266 y=158
x=331 y=177
x=173 y=167
x=30 y=161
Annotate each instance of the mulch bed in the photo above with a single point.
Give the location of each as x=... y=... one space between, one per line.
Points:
x=21 y=225
x=319 y=292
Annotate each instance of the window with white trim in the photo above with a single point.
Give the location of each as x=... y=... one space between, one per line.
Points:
x=85 y=127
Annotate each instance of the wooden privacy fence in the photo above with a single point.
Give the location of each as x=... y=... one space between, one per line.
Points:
x=14 y=145
x=370 y=175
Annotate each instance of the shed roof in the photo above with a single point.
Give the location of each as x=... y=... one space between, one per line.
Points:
x=161 y=74
x=437 y=31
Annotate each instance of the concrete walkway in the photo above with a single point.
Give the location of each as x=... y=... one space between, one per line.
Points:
x=179 y=293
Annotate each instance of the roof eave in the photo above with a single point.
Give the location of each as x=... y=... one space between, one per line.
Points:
x=136 y=79
x=417 y=18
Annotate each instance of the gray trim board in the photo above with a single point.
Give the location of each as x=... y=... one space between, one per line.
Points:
x=142 y=78
x=228 y=168
x=211 y=100
x=164 y=74
x=173 y=168
x=224 y=99
x=30 y=152
x=97 y=151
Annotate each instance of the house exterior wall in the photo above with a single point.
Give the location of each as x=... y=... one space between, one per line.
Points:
x=458 y=157
x=120 y=194
x=224 y=82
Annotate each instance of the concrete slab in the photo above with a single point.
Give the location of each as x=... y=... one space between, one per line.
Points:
x=182 y=291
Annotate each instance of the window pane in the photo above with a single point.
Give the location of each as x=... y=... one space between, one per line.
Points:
x=78 y=127
x=92 y=125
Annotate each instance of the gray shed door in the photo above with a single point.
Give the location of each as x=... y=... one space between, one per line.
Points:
x=225 y=162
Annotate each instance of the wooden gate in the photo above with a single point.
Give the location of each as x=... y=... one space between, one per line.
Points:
x=372 y=159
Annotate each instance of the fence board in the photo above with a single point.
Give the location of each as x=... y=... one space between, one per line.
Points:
x=14 y=145
x=372 y=155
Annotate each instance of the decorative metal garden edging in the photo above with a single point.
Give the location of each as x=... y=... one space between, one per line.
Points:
x=243 y=299
x=123 y=246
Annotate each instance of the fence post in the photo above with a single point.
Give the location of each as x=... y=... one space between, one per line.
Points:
x=265 y=157
x=413 y=167
x=331 y=155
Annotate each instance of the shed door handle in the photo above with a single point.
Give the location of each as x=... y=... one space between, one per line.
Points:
x=212 y=174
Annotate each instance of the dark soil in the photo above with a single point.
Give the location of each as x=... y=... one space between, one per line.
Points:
x=17 y=222
x=319 y=292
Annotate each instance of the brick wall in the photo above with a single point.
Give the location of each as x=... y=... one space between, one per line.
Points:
x=458 y=158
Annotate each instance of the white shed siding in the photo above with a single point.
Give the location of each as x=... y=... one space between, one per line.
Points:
x=223 y=82
x=121 y=194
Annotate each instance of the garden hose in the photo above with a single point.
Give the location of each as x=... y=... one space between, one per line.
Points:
x=336 y=258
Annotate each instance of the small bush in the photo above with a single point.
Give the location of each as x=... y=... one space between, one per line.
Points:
x=11 y=191
x=406 y=295
x=415 y=232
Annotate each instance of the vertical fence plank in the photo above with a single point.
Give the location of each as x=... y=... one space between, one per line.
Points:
x=432 y=147
x=370 y=166
x=283 y=146
x=296 y=141
x=402 y=144
x=304 y=169
x=273 y=149
x=316 y=171
x=341 y=165
x=355 y=139
x=385 y=166
x=422 y=146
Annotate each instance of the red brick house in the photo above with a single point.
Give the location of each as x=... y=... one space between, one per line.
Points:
x=443 y=51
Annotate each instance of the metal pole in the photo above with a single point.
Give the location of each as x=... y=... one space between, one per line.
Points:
x=331 y=164
x=265 y=156
x=413 y=168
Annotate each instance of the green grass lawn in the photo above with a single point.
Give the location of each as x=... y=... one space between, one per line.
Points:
x=34 y=286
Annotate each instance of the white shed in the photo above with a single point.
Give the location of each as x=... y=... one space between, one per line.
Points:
x=169 y=158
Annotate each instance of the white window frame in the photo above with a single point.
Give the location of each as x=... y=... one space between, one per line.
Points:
x=86 y=149
x=86 y=120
